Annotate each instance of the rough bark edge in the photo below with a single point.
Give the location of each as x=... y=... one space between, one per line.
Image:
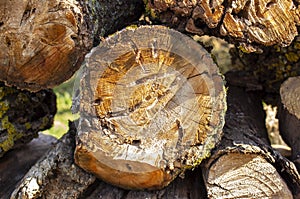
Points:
x=16 y=163
x=56 y=166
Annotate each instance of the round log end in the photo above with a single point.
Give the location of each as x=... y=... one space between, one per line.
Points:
x=40 y=41
x=236 y=175
x=152 y=105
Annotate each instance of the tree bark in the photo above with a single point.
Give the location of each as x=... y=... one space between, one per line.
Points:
x=244 y=164
x=289 y=116
x=152 y=105
x=247 y=23
x=55 y=174
x=268 y=70
x=44 y=42
x=192 y=186
x=23 y=114
x=17 y=162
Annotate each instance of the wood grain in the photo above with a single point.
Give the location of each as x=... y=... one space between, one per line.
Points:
x=248 y=23
x=44 y=42
x=244 y=165
x=152 y=101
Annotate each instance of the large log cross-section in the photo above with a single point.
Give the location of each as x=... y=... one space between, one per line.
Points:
x=43 y=42
x=152 y=105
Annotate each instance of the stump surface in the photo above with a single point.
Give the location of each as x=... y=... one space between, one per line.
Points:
x=40 y=42
x=157 y=108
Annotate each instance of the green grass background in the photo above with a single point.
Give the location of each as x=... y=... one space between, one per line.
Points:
x=64 y=94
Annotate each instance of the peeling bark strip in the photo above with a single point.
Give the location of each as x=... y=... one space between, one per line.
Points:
x=244 y=165
x=152 y=105
x=23 y=114
x=43 y=42
x=289 y=116
x=247 y=22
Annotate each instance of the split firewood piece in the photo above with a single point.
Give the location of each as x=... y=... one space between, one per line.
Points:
x=43 y=42
x=23 y=114
x=247 y=22
x=152 y=105
x=244 y=165
x=289 y=116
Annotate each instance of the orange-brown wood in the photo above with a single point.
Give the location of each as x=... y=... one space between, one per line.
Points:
x=152 y=105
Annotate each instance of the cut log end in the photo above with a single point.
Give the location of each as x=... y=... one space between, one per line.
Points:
x=248 y=23
x=157 y=108
x=244 y=165
x=245 y=175
x=40 y=42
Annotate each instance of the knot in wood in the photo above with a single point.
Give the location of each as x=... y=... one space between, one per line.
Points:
x=152 y=105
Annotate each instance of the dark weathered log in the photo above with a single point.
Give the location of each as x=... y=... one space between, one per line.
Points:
x=289 y=116
x=57 y=175
x=191 y=187
x=152 y=106
x=23 y=114
x=267 y=71
x=247 y=22
x=16 y=163
x=43 y=42
x=244 y=164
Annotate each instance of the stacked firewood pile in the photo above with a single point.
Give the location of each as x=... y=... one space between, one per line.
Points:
x=157 y=118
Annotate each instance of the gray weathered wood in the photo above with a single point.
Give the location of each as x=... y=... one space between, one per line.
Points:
x=55 y=174
x=289 y=116
x=15 y=164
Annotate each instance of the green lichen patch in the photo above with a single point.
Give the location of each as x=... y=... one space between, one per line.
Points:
x=292 y=56
x=12 y=134
x=3 y=108
x=23 y=114
x=5 y=91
